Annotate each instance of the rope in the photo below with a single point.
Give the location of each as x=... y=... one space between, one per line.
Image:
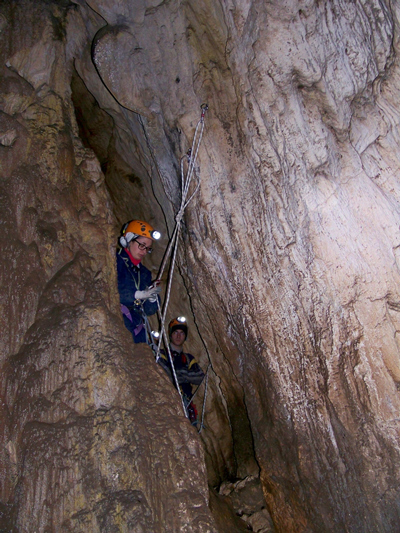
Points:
x=173 y=244
x=185 y=183
x=186 y=180
x=195 y=392
x=204 y=403
x=204 y=399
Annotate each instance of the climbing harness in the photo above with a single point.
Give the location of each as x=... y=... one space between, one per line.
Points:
x=138 y=303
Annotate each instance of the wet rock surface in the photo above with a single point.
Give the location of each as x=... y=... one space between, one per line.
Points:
x=288 y=267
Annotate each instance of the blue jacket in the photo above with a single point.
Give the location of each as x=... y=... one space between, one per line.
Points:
x=133 y=278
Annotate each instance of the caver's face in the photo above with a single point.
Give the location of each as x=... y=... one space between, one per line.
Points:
x=134 y=247
x=178 y=337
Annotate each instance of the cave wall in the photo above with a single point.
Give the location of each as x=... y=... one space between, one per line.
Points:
x=92 y=434
x=288 y=266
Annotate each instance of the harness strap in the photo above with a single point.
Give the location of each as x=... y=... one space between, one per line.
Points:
x=138 y=303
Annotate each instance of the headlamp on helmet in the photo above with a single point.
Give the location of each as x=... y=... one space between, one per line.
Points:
x=178 y=323
x=137 y=228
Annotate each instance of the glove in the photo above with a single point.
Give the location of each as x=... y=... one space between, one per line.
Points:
x=148 y=294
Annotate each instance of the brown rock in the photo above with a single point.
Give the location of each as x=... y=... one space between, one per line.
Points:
x=288 y=267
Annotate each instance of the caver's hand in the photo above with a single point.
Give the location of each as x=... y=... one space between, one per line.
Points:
x=149 y=294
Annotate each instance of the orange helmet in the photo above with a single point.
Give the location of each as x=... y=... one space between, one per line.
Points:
x=137 y=228
x=178 y=323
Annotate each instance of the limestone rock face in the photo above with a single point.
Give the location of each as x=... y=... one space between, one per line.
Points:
x=288 y=264
x=93 y=437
